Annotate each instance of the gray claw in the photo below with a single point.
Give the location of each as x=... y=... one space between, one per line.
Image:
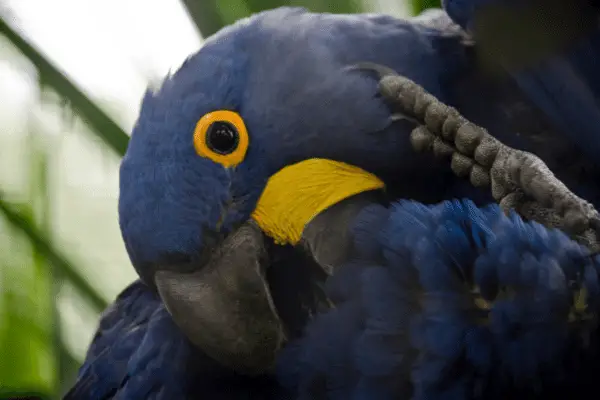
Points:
x=380 y=70
x=519 y=180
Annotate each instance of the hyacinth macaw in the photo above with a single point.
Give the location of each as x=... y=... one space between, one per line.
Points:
x=265 y=144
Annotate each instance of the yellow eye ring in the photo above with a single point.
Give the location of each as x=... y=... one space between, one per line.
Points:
x=222 y=137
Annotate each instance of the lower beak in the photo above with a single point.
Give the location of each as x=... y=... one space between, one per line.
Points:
x=225 y=308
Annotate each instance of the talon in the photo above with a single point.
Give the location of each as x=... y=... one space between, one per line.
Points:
x=511 y=201
x=380 y=70
x=402 y=117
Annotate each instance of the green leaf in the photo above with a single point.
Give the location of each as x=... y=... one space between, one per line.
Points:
x=102 y=125
x=69 y=368
x=330 y=6
x=58 y=262
x=205 y=15
x=418 y=6
x=261 y=5
x=210 y=16
x=28 y=364
x=27 y=338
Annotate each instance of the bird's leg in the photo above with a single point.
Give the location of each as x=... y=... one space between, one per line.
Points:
x=519 y=180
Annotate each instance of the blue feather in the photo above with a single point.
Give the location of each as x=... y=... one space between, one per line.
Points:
x=565 y=83
x=139 y=353
x=426 y=325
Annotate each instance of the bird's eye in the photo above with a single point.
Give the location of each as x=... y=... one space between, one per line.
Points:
x=222 y=137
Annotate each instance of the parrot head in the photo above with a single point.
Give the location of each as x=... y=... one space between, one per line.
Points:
x=257 y=126
x=551 y=48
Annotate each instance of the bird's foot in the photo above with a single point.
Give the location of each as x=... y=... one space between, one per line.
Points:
x=519 y=180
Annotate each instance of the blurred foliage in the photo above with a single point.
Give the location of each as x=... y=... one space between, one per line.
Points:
x=27 y=321
x=33 y=360
x=210 y=16
x=418 y=6
x=104 y=126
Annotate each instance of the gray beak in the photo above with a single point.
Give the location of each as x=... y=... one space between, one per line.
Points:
x=225 y=308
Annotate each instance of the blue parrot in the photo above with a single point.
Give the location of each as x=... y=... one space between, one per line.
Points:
x=230 y=161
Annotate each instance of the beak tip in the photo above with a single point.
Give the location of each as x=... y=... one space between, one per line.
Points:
x=247 y=354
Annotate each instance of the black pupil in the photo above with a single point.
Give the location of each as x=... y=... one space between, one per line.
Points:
x=222 y=137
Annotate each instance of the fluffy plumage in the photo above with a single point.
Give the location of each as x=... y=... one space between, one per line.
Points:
x=139 y=353
x=408 y=324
